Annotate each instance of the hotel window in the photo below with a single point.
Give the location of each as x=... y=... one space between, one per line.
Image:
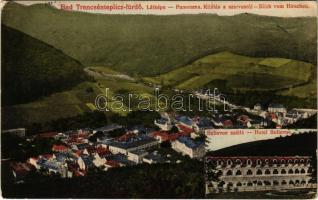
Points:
x=267 y=171
x=291 y=182
x=302 y=171
x=229 y=162
x=275 y=171
x=283 y=171
x=249 y=172
x=238 y=161
x=303 y=182
x=219 y=162
x=274 y=161
x=229 y=173
x=238 y=172
x=239 y=184
x=282 y=161
x=258 y=161
x=296 y=171
x=259 y=183
x=284 y=182
x=249 y=184
x=290 y=171
x=259 y=172
x=275 y=182
x=249 y=162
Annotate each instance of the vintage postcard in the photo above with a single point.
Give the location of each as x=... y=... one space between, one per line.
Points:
x=159 y=99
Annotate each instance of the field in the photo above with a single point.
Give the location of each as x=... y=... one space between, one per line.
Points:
x=239 y=73
x=58 y=105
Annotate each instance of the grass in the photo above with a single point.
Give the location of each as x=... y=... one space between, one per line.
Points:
x=304 y=91
x=274 y=62
x=102 y=69
x=55 y=106
x=239 y=72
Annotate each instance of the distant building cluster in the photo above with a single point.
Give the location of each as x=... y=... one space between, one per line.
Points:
x=74 y=154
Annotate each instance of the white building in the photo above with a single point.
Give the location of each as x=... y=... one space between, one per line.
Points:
x=277 y=108
x=253 y=173
x=188 y=146
x=137 y=156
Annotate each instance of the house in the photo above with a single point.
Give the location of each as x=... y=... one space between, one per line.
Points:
x=51 y=166
x=185 y=121
x=33 y=161
x=163 y=136
x=59 y=148
x=244 y=120
x=188 y=146
x=277 y=108
x=134 y=143
x=204 y=123
x=153 y=157
x=85 y=162
x=184 y=130
x=137 y=156
x=163 y=124
x=111 y=164
x=98 y=161
x=121 y=159
x=227 y=123
x=258 y=107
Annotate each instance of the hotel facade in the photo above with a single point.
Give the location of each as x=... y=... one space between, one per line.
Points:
x=238 y=174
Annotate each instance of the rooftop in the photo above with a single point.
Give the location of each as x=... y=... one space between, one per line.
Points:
x=190 y=142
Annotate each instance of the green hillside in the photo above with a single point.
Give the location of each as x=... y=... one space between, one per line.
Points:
x=151 y=45
x=32 y=69
x=228 y=71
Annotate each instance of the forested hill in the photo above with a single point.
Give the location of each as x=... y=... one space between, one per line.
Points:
x=150 y=45
x=31 y=68
x=300 y=144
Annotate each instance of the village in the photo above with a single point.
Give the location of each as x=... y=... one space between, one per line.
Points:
x=260 y=116
x=75 y=153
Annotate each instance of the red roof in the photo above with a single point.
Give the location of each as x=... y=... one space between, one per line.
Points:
x=102 y=151
x=60 y=148
x=184 y=130
x=227 y=123
x=112 y=163
x=165 y=136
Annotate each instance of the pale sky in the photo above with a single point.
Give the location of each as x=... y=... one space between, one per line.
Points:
x=256 y=7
